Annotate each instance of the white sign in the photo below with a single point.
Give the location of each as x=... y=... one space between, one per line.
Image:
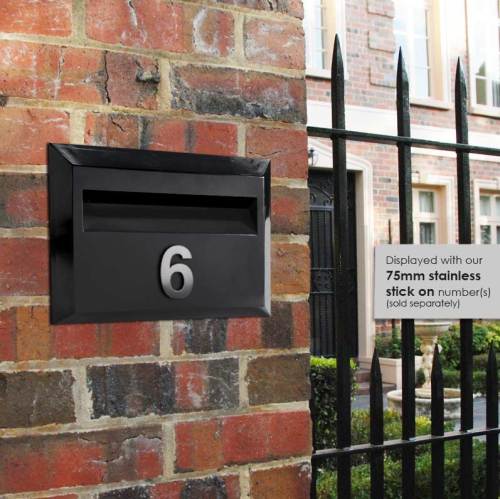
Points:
x=442 y=281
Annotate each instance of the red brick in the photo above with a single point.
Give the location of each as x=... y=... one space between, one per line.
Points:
x=132 y=80
x=77 y=341
x=204 y=445
x=112 y=130
x=214 y=486
x=290 y=268
x=190 y=385
x=301 y=326
x=213 y=32
x=24 y=266
x=39 y=17
x=287 y=150
x=74 y=74
x=25 y=133
x=290 y=482
x=266 y=436
x=33 y=340
x=289 y=210
x=290 y=7
x=208 y=90
x=45 y=462
x=165 y=134
x=213 y=138
x=137 y=24
x=7 y=335
x=275 y=43
x=131 y=339
x=244 y=334
x=199 y=445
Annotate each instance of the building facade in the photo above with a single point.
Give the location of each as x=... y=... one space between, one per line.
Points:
x=433 y=34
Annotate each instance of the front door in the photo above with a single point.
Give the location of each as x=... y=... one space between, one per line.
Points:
x=321 y=246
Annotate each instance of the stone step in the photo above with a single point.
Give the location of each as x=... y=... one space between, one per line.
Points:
x=362 y=375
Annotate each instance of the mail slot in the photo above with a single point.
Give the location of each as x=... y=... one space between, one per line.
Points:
x=146 y=235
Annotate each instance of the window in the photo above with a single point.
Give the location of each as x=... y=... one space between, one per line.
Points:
x=484 y=44
x=429 y=225
x=322 y=20
x=489 y=217
x=417 y=30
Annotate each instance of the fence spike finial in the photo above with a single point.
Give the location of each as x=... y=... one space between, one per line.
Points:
x=460 y=83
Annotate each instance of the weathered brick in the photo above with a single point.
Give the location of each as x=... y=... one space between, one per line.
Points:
x=206 y=385
x=202 y=445
x=24 y=269
x=290 y=482
x=213 y=32
x=23 y=200
x=131 y=80
x=289 y=210
x=290 y=268
x=25 y=133
x=131 y=390
x=268 y=379
x=112 y=130
x=164 y=134
x=200 y=336
x=278 y=329
x=36 y=398
x=291 y=7
x=216 y=487
x=32 y=333
x=38 y=17
x=274 y=42
x=82 y=75
x=381 y=37
x=136 y=24
x=382 y=73
x=249 y=94
x=287 y=150
x=45 y=462
x=381 y=7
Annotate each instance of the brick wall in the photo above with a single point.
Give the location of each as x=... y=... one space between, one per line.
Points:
x=185 y=409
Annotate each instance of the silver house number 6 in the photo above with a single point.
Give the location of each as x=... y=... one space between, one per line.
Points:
x=167 y=271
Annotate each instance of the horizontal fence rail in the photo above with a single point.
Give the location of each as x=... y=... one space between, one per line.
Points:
x=377 y=447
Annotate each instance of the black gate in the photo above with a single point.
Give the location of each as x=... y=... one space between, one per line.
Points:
x=321 y=245
x=342 y=315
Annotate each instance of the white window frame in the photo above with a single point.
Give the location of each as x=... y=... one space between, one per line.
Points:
x=440 y=88
x=482 y=109
x=444 y=200
x=493 y=219
x=481 y=187
x=336 y=25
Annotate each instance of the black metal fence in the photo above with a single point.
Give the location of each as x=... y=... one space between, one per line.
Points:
x=408 y=443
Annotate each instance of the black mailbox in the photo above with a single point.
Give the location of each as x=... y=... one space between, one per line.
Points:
x=146 y=235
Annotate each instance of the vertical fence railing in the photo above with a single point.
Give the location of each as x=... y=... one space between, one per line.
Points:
x=376 y=448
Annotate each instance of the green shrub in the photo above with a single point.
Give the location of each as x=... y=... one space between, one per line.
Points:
x=327 y=479
x=419 y=377
x=484 y=334
x=481 y=361
x=451 y=379
x=324 y=396
x=389 y=345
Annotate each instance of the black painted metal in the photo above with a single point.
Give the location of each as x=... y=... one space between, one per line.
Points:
x=492 y=422
x=437 y=426
x=340 y=283
x=408 y=443
x=321 y=248
x=464 y=237
x=376 y=428
x=406 y=237
x=114 y=212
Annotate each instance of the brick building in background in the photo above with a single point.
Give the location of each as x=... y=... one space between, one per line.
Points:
x=433 y=34
x=187 y=409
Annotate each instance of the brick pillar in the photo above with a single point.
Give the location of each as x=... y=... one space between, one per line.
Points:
x=189 y=409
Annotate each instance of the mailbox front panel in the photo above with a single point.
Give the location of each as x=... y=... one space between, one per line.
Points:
x=160 y=236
